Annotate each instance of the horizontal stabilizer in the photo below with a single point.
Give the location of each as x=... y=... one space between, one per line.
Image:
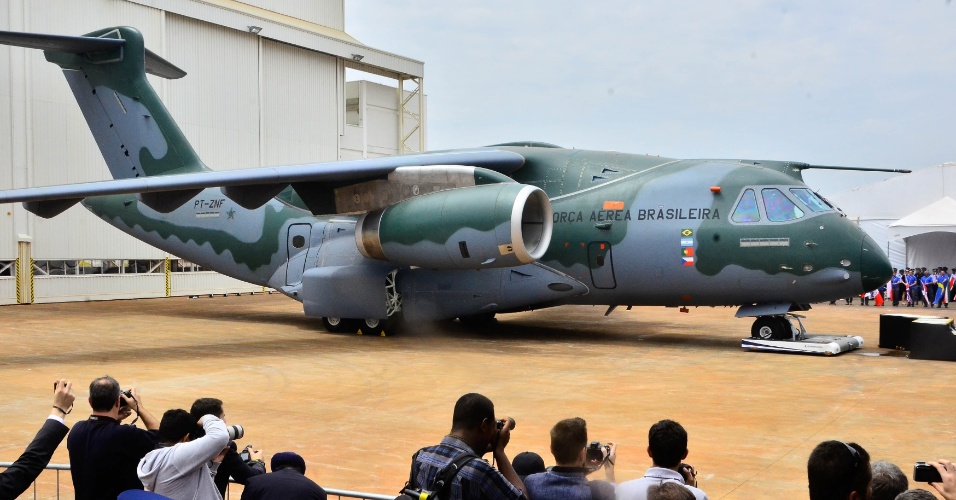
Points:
x=254 y=184
x=87 y=45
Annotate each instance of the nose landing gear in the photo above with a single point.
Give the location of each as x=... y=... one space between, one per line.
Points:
x=778 y=333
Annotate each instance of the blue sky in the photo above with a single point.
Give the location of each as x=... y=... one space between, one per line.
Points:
x=836 y=83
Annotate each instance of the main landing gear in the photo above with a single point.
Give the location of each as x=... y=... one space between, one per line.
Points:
x=372 y=326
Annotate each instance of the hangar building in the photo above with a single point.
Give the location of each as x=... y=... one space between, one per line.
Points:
x=265 y=86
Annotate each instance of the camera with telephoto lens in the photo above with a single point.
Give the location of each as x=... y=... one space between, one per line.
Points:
x=235 y=432
x=926 y=473
x=597 y=454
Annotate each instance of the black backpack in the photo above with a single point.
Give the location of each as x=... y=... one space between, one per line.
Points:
x=440 y=487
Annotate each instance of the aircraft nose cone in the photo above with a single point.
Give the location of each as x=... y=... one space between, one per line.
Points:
x=875 y=268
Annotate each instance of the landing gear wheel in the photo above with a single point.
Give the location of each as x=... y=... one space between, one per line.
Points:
x=380 y=327
x=477 y=320
x=340 y=325
x=770 y=328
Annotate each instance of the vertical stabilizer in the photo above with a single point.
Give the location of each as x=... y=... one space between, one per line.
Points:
x=131 y=125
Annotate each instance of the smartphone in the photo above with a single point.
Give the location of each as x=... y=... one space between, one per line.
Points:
x=926 y=473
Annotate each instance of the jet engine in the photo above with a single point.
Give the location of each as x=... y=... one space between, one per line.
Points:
x=494 y=225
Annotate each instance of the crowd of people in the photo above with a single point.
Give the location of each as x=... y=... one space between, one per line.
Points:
x=185 y=455
x=911 y=287
x=191 y=455
x=453 y=469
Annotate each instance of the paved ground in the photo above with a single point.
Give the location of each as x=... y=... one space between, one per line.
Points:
x=357 y=407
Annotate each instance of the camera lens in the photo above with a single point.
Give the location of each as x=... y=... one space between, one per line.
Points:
x=235 y=432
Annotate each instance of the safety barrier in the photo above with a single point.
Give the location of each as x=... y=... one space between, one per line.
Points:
x=332 y=492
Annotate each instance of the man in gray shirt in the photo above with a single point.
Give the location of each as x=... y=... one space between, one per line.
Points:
x=667 y=447
x=182 y=469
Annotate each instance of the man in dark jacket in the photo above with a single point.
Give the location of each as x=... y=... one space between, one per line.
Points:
x=18 y=477
x=287 y=481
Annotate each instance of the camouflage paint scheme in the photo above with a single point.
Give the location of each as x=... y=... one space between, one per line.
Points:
x=624 y=229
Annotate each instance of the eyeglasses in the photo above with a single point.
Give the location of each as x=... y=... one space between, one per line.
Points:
x=855 y=454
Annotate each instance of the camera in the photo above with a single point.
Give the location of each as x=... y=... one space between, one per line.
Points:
x=597 y=454
x=926 y=473
x=244 y=454
x=501 y=422
x=128 y=393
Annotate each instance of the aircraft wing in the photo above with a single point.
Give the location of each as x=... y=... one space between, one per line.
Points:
x=314 y=183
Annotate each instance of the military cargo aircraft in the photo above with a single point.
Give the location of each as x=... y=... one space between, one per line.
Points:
x=456 y=234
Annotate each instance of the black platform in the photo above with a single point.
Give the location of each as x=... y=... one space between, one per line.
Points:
x=895 y=330
x=933 y=338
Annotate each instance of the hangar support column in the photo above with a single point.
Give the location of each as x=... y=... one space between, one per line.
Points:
x=24 y=270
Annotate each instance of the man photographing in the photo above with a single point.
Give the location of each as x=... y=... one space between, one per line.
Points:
x=566 y=480
x=104 y=453
x=181 y=468
x=474 y=431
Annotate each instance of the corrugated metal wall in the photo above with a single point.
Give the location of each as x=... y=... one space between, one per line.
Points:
x=325 y=12
x=217 y=103
x=300 y=111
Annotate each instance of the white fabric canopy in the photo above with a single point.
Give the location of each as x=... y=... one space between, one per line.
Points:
x=912 y=217
x=939 y=216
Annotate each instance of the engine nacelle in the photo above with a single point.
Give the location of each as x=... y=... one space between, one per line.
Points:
x=495 y=225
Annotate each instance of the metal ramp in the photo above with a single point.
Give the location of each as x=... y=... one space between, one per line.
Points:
x=802 y=343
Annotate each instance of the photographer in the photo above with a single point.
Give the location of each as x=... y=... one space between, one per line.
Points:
x=103 y=453
x=474 y=431
x=567 y=480
x=667 y=447
x=183 y=469
x=232 y=464
x=17 y=478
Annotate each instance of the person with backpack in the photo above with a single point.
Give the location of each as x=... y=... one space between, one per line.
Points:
x=454 y=470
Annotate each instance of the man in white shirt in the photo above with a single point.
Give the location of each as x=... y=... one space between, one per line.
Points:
x=667 y=447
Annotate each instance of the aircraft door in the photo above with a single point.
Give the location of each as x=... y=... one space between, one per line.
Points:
x=602 y=267
x=297 y=244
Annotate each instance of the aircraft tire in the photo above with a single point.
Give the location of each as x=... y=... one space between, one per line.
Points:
x=769 y=328
x=379 y=327
x=340 y=325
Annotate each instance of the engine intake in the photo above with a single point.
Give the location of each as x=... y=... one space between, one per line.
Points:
x=495 y=225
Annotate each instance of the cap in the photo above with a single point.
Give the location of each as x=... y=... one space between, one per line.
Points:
x=286 y=459
x=527 y=463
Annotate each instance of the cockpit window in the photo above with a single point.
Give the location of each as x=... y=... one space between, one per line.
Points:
x=746 y=210
x=779 y=208
x=810 y=199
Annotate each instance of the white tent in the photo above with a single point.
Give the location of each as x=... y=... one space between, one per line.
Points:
x=911 y=216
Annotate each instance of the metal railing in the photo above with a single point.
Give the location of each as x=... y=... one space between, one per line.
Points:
x=332 y=492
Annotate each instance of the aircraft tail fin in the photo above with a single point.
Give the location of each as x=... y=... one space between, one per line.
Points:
x=106 y=70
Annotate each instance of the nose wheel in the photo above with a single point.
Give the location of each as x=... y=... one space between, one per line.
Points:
x=772 y=328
